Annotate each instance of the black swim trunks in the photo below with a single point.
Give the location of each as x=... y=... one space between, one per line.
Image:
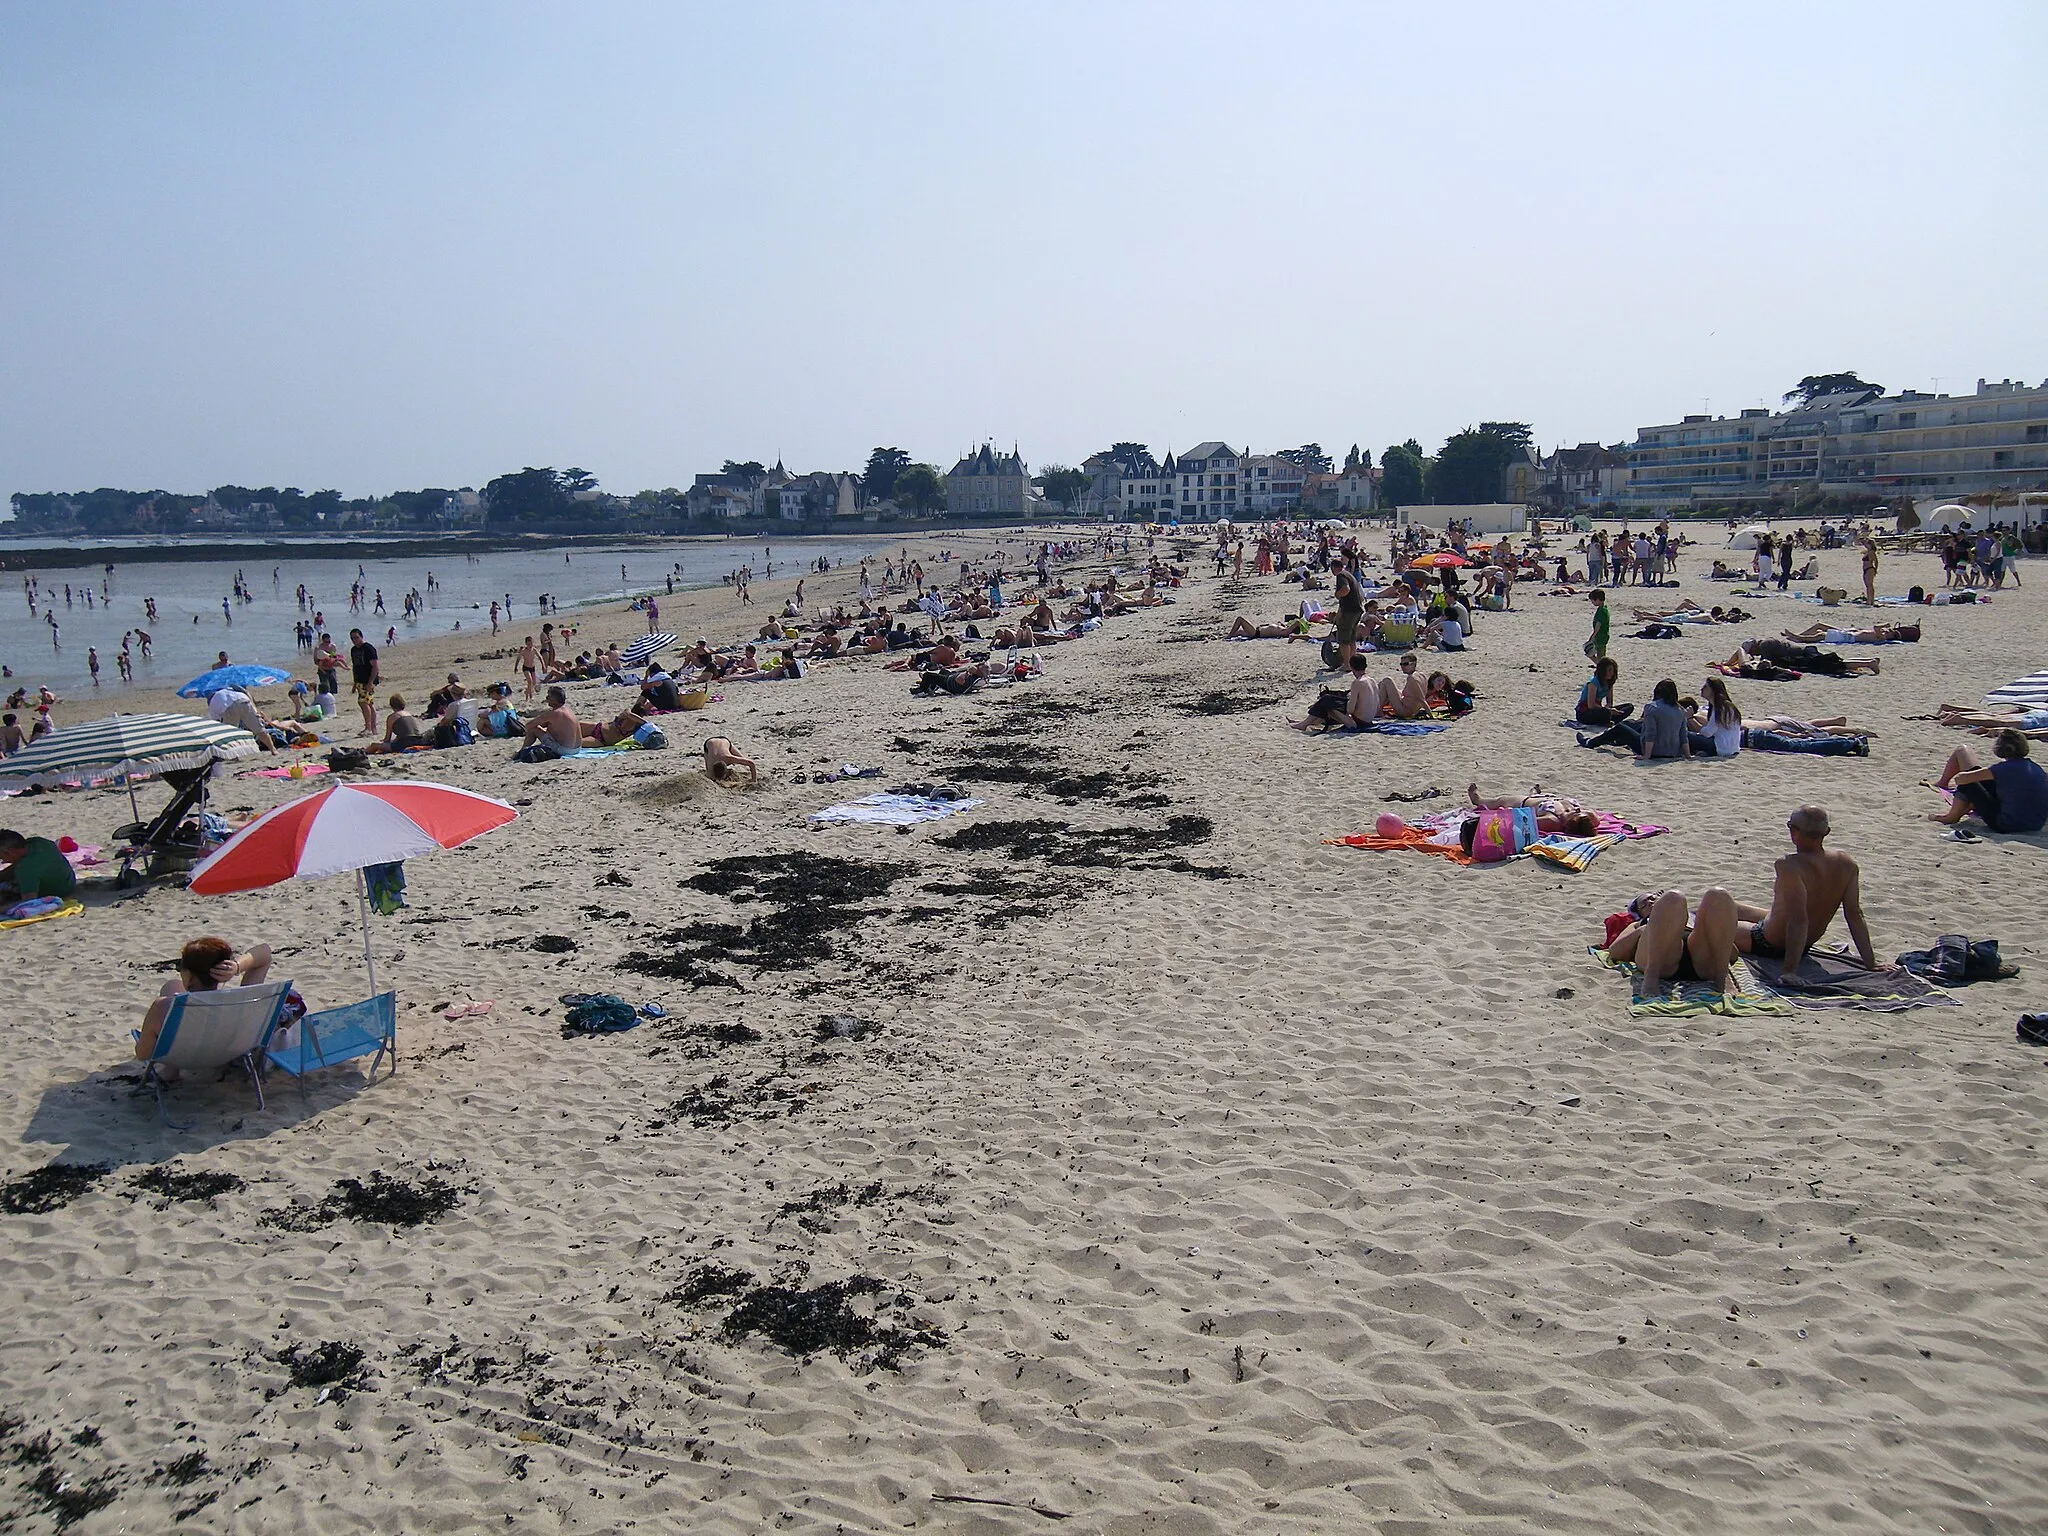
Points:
x=1759 y=945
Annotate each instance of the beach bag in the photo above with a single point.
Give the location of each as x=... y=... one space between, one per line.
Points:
x=1331 y=706
x=1493 y=837
x=348 y=760
x=651 y=736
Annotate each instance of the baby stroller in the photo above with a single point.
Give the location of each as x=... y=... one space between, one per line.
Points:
x=174 y=840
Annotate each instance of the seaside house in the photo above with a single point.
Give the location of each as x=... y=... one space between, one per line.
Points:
x=1149 y=491
x=1272 y=485
x=719 y=497
x=990 y=484
x=1349 y=491
x=1584 y=476
x=822 y=494
x=1208 y=483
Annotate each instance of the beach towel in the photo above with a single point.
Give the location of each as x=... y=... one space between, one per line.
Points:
x=80 y=858
x=885 y=810
x=1401 y=728
x=2030 y=692
x=1436 y=833
x=1573 y=853
x=1682 y=999
x=38 y=909
x=1835 y=980
x=306 y=771
x=611 y=751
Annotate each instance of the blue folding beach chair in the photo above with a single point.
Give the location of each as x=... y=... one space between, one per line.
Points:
x=335 y=1035
x=204 y=1031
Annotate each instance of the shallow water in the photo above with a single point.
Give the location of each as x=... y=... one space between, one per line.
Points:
x=191 y=626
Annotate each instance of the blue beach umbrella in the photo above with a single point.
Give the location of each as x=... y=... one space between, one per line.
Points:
x=240 y=675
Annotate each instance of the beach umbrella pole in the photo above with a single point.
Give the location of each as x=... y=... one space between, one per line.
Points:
x=363 y=907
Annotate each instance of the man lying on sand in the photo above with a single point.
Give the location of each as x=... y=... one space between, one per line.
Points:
x=1802 y=658
x=2029 y=722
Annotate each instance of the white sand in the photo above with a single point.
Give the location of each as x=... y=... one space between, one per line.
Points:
x=1340 y=1195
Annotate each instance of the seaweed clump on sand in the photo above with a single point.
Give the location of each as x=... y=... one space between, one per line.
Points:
x=68 y=1500
x=1224 y=702
x=50 y=1188
x=718 y=1101
x=394 y=1202
x=1055 y=842
x=820 y=1318
x=336 y=1368
x=811 y=1320
x=167 y=1183
x=814 y=896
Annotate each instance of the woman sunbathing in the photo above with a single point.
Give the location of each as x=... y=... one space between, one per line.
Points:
x=1294 y=627
x=610 y=734
x=2028 y=722
x=1554 y=813
x=1875 y=634
x=1803 y=658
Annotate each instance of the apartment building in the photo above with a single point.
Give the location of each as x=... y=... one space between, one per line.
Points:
x=1851 y=443
x=1271 y=485
x=1207 y=477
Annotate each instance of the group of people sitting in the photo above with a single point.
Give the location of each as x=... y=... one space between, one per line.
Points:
x=1367 y=700
x=1710 y=725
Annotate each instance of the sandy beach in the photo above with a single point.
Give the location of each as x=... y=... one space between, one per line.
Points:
x=1170 y=1169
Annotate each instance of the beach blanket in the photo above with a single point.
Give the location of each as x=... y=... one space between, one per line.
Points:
x=2030 y=692
x=883 y=810
x=81 y=858
x=306 y=771
x=1401 y=728
x=1681 y=999
x=1573 y=853
x=1834 y=980
x=38 y=909
x=624 y=746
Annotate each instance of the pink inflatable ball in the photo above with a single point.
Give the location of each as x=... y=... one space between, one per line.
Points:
x=1390 y=825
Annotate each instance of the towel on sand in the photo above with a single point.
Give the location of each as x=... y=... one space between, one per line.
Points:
x=1438 y=834
x=1835 y=979
x=890 y=811
x=1681 y=999
x=306 y=771
x=1573 y=853
x=38 y=909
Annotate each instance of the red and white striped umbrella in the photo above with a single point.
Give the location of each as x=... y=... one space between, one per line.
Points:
x=347 y=826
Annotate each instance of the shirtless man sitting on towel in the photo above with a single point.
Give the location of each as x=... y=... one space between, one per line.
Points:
x=1812 y=884
x=556 y=724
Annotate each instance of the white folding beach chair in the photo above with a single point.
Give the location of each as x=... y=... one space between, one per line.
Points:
x=213 y=1031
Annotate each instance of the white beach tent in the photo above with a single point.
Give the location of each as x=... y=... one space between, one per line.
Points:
x=1745 y=538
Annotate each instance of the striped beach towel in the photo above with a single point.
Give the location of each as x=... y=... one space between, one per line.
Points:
x=2029 y=692
x=1681 y=999
x=1573 y=853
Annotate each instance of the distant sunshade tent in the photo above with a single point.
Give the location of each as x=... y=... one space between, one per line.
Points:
x=1745 y=538
x=1950 y=512
x=240 y=675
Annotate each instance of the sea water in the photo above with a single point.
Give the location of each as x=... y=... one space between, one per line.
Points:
x=192 y=628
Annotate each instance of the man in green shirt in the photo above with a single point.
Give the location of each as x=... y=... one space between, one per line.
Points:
x=1602 y=620
x=34 y=867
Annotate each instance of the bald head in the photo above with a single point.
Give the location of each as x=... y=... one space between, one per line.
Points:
x=1811 y=820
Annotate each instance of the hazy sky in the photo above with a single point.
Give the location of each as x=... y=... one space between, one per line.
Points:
x=375 y=246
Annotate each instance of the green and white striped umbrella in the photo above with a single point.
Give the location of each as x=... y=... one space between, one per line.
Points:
x=124 y=747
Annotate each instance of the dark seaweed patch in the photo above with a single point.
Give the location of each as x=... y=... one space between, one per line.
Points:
x=791 y=878
x=709 y=1280
x=1224 y=703
x=980 y=882
x=719 y=1101
x=50 y=1188
x=183 y=1472
x=1056 y=842
x=336 y=1366
x=822 y=1317
x=169 y=1184
x=553 y=943
x=68 y=1500
x=394 y=1202
x=677 y=968
x=813 y=1211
